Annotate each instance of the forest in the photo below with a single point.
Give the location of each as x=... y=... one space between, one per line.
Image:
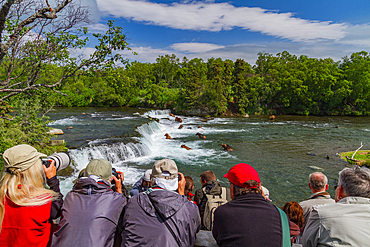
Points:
x=276 y=84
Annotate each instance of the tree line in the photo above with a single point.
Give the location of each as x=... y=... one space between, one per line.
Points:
x=276 y=84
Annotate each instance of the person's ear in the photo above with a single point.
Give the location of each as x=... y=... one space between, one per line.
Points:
x=309 y=186
x=232 y=191
x=326 y=187
x=339 y=194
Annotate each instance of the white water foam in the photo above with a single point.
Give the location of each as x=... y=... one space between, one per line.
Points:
x=119 y=118
x=150 y=146
x=65 y=121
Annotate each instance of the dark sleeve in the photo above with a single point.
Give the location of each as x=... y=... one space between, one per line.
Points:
x=119 y=230
x=228 y=195
x=216 y=226
x=198 y=196
x=136 y=187
x=56 y=204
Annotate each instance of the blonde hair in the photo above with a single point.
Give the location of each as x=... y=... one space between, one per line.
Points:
x=25 y=188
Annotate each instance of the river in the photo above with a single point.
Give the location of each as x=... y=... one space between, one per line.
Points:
x=284 y=151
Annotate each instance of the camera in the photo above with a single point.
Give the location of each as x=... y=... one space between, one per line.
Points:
x=114 y=173
x=62 y=160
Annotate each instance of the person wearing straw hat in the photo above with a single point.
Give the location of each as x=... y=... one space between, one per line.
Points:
x=91 y=211
x=26 y=206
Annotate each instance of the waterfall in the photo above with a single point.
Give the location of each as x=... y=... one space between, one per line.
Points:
x=134 y=157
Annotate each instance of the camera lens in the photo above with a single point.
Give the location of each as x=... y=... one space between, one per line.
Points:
x=62 y=160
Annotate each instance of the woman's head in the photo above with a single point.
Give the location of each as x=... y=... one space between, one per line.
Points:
x=22 y=179
x=22 y=171
x=189 y=185
x=294 y=212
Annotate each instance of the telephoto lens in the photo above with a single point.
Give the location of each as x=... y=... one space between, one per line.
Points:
x=62 y=160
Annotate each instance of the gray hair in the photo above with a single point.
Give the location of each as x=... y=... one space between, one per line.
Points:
x=355 y=181
x=318 y=180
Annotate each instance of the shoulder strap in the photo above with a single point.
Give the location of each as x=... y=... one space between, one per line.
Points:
x=285 y=228
x=165 y=222
x=223 y=192
x=222 y=195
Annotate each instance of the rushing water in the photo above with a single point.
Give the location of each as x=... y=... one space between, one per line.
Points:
x=284 y=151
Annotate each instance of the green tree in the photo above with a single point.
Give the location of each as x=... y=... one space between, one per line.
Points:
x=34 y=54
x=214 y=96
x=195 y=76
x=356 y=69
x=239 y=85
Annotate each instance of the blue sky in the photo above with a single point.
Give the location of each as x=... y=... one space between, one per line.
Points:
x=236 y=29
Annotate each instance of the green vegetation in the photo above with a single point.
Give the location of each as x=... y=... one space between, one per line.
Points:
x=361 y=158
x=280 y=84
x=35 y=61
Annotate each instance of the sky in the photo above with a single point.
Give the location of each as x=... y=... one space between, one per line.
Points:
x=236 y=29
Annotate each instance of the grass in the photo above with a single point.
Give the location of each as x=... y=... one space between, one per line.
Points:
x=362 y=157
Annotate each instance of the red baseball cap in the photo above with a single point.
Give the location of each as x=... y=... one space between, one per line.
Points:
x=241 y=173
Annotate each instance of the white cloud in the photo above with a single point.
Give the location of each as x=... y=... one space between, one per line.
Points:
x=357 y=35
x=145 y=54
x=32 y=36
x=208 y=16
x=98 y=27
x=94 y=13
x=193 y=47
x=248 y=51
x=83 y=53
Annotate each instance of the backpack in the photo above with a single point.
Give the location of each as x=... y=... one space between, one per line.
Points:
x=213 y=201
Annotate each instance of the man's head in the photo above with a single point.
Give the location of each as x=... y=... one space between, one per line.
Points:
x=354 y=181
x=165 y=174
x=244 y=179
x=99 y=167
x=318 y=182
x=147 y=178
x=207 y=176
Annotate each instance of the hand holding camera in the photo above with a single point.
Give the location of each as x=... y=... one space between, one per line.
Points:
x=182 y=183
x=117 y=180
x=50 y=170
x=54 y=163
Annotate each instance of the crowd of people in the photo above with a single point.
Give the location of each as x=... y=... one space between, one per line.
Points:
x=160 y=209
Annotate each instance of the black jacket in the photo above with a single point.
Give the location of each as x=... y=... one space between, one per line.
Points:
x=248 y=220
x=57 y=204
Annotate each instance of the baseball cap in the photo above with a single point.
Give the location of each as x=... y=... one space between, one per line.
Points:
x=241 y=173
x=21 y=157
x=165 y=168
x=147 y=174
x=99 y=167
